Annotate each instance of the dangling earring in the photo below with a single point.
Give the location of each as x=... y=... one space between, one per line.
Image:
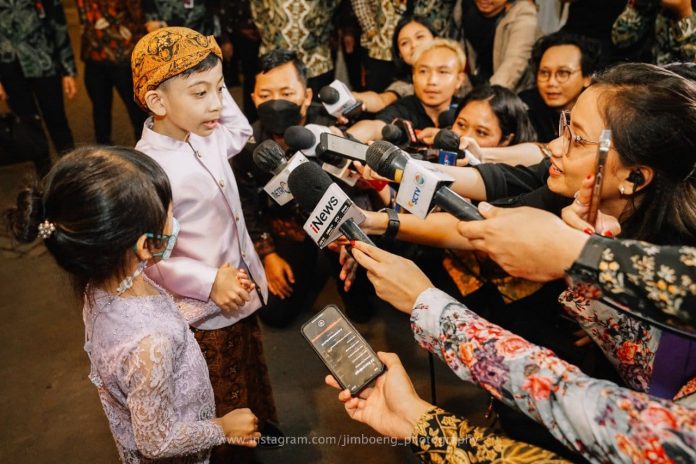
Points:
x=622 y=189
x=128 y=281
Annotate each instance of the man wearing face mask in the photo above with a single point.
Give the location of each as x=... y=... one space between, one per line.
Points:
x=283 y=99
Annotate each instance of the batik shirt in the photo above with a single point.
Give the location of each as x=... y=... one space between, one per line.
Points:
x=35 y=33
x=303 y=26
x=674 y=39
x=597 y=418
x=198 y=15
x=110 y=29
x=378 y=19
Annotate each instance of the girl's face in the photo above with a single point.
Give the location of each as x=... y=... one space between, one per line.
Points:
x=410 y=37
x=569 y=168
x=478 y=121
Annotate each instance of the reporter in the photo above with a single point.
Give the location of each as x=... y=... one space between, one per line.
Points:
x=393 y=408
x=597 y=418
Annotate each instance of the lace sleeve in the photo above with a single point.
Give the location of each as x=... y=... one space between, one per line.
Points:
x=157 y=430
x=196 y=310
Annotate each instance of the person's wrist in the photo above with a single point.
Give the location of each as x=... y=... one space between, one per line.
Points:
x=413 y=415
x=573 y=245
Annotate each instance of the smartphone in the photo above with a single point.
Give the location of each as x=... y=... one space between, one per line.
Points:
x=341 y=146
x=344 y=351
x=602 y=152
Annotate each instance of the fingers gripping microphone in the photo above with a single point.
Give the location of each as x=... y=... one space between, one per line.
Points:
x=269 y=157
x=422 y=187
x=331 y=212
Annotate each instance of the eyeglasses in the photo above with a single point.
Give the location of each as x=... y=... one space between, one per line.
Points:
x=561 y=75
x=567 y=136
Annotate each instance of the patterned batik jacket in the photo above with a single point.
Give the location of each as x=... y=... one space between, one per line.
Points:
x=597 y=418
x=674 y=39
x=198 y=15
x=110 y=29
x=35 y=33
x=303 y=26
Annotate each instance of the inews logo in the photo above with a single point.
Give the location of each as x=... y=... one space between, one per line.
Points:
x=323 y=215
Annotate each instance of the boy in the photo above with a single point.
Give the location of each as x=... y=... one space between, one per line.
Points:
x=194 y=128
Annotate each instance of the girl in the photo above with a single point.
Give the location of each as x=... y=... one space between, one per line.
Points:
x=105 y=214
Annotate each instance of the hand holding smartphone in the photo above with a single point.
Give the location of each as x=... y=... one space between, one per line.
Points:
x=602 y=152
x=351 y=361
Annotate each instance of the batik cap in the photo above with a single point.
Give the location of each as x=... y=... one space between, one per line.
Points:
x=165 y=53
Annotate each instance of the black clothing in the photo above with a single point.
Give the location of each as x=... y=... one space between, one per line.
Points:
x=479 y=31
x=544 y=118
x=409 y=108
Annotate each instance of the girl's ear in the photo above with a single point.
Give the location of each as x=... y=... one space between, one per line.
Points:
x=141 y=248
x=507 y=140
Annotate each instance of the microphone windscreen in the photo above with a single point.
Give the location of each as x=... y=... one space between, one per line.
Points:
x=329 y=95
x=447 y=118
x=393 y=134
x=308 y=183
x=378 y=157
x=268 y=156
x=446 y=140
x=299 y=138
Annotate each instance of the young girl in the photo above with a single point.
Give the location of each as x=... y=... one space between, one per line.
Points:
x=105 y=214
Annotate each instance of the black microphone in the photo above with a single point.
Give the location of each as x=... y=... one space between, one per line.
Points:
x=394 y=134
x=269 y=157
x=447 y=118
x=299 y=138
x=328 y=94
x=389 y=161
x=446 y=140
x=308 y=183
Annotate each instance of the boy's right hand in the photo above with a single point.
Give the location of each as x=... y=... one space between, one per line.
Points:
x=240 y=427
x=230 y=291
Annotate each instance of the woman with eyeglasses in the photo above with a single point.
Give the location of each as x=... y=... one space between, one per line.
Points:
x=563 y=65
x=650 y=187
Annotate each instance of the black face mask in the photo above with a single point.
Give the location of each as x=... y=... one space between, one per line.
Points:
x=278 y=115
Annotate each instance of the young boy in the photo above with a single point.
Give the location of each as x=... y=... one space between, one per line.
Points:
x=194 y=128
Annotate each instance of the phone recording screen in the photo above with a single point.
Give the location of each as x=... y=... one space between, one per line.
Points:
x=342 y=349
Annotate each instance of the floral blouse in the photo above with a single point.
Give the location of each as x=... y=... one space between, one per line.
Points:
x=151 y=376
x=658 y=282
x=110 y=29
x=597 y=418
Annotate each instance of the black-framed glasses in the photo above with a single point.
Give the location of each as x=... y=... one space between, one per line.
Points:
x=567 y=136
x=561 y=75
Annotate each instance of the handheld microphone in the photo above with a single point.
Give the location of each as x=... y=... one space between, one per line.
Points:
x=421 y=187
x=269 y=157
x=339 y=101
x=331 y=212
x=393 y=134
x=407 y=127
x=448 y=141
x=299 y=138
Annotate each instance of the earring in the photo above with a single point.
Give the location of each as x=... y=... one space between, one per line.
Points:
x=622 y=189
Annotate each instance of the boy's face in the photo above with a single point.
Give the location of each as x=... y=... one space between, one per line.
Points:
x=436 y=76
x=190 y=104
x=282 y=83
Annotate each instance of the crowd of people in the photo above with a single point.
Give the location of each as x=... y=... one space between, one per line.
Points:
x=571 y=302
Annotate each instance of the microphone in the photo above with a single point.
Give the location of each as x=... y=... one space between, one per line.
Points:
x=269 y=157
x=339 y=101
x=299 y=138
x=393 y=134
x=331 y=212
x=422 y=187
x=447 y=142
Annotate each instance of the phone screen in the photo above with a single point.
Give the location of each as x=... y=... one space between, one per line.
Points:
x=354 y=150
x=344 y=351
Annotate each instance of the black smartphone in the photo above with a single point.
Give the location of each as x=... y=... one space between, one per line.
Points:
x=602 y=152
x=344 y=351
x=341 y=146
